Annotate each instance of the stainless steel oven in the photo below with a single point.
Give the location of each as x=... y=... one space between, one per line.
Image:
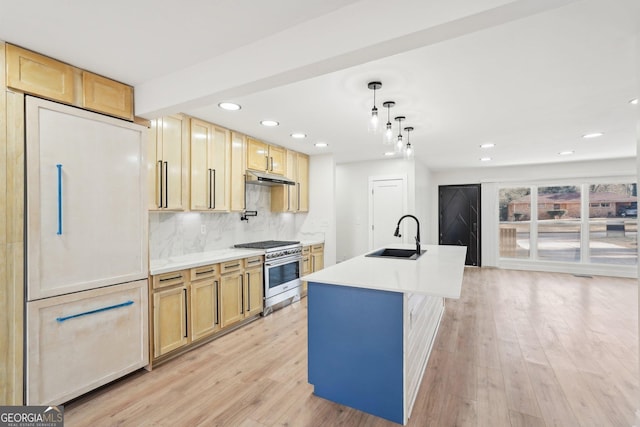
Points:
x=282 y=271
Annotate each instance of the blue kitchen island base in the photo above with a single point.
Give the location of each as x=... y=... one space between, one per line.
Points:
x=362 y=345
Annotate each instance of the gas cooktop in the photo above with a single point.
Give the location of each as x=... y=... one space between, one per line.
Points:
x=267 y=244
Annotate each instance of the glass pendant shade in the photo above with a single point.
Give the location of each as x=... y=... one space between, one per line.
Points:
x=373 y=119
x=388 y=133
x=399 y=142
x=408 y=149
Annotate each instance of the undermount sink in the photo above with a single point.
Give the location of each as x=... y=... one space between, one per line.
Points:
x=396 y=253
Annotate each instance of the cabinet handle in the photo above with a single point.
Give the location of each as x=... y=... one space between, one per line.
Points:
x=272 y=164
x=204 y=272
x=210 y=187
x=59 y=232
x=244 y=191
x=214 y=189
x=166 y=184
x=171 y=278
x=242 y=289
x=267 y=159
x=232 y=266
x=254 y=261
x=298 y=185
x=186 y=315
x=98 y=310
x=217 y=303
x=161 y=184
x=248 y=292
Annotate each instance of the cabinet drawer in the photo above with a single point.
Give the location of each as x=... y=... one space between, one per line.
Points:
x=317 y=248
x=230 y=266
x=204 y=272
x=253 y=261
x=80 y=341
x=306 y=250
x=169 y=279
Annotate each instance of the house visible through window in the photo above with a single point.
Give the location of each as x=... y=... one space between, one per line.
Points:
x=554 y=231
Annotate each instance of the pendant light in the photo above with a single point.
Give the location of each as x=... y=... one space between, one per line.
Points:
x=373 y=121
x=408 y=149
x=399 y=143
x=388 y=133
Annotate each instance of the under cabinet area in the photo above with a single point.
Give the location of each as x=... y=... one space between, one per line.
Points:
x=193 y=306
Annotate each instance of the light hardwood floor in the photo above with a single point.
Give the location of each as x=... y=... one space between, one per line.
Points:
x=517 y=349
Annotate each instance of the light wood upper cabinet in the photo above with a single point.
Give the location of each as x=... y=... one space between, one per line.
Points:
x=284 y=198
x=303 y=182
x=238 y=168
x=253 y=286
x=107 y=96
x=257 y=155
x=265 y=157
x=167 y=163
x=204 y=308
x=210 y=166
x=37 y=74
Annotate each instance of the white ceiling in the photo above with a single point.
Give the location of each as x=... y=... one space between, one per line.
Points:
x=531 y=76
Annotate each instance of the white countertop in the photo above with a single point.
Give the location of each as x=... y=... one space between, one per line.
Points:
x=311 y=242
x=437 y=272
x=167 y=265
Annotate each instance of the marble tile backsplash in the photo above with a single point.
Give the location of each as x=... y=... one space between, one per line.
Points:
x=181 y=233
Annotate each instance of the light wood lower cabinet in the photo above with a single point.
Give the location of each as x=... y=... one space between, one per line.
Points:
x=253 y=286
x=191 y=306
x=317 y=257
x=170 y=320
x=231 y=285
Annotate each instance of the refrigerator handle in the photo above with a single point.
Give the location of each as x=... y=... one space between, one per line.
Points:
x=59 y=166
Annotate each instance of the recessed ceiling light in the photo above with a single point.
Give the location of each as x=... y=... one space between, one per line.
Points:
x=566 y=153
x=488 y=145
x=229 y=106
x=634 y=101
x=321 y=144
x=592 y=135
x=298 y=135
x=389 y=153
x=485 y=159
x=269 y=123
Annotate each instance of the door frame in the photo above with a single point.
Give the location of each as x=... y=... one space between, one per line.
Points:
x=372 y=180
x=479 y=229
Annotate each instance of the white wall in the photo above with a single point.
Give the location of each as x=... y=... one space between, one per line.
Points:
x=352 y=198
x=320 y=222
x=490 y=178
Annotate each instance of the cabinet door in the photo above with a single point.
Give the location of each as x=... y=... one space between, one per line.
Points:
x=238 y=169
x=253 y=291
x=220 y=165
x=231 y=310
x=37 y=74
x=317 y=261
x=306 y=265
x=85 y=205
x=201 y=176
x=303 y=183
x=257 y=155
x=204 y=308
x=277 y=160
x=169 y=320
x=171 y=139
x=107 y=96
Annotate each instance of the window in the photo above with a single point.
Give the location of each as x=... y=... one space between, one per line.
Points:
x=515 y=218
x=587 y=223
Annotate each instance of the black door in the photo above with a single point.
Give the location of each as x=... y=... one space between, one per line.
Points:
x=459 y=223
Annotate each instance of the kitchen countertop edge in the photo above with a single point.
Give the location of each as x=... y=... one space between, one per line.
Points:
x=160 y=266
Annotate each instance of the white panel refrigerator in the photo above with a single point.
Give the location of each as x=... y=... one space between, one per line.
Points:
x=87 y=261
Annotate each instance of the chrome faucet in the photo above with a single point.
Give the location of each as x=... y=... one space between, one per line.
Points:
x=397 y=232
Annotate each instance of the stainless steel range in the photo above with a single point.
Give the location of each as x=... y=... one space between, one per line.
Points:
x=282 y=270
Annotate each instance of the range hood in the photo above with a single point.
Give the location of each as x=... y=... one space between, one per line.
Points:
x=263 y=178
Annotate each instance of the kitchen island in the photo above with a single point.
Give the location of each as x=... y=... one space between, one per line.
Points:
x=372 y=324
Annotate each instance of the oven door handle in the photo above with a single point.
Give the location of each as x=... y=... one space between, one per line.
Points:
x=282 y=261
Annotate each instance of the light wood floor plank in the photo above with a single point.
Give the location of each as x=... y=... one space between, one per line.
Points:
x=517 y=349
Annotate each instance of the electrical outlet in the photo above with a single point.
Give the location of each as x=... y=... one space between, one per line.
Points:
x=203 y=229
